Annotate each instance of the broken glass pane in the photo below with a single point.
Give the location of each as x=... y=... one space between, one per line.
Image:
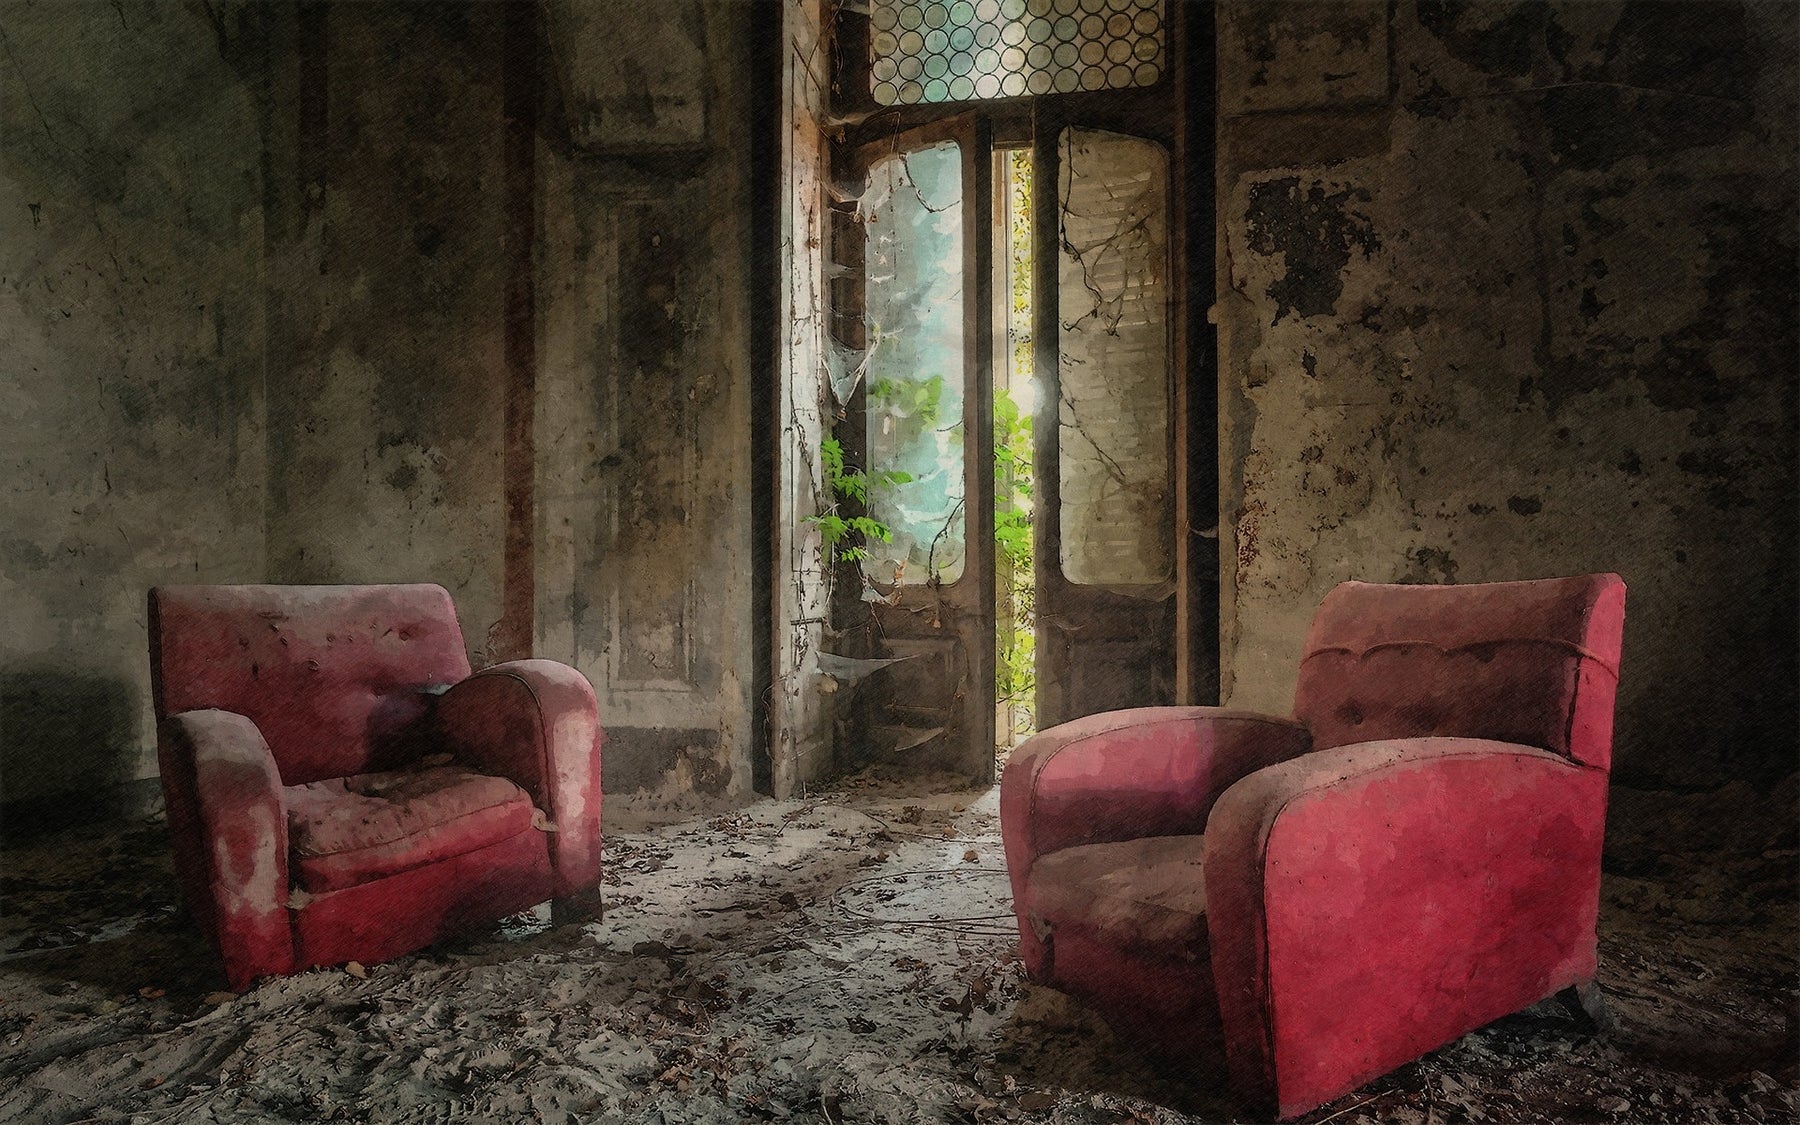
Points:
x=913 y=254
x=1113 y=436
x=931 y=51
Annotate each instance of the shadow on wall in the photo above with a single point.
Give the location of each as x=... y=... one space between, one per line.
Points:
x=68 y=750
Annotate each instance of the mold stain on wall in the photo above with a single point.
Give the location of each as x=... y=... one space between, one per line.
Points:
x=1524 y=308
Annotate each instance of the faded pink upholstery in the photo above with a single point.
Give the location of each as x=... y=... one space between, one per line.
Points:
x=1319 y=900
x=349 y=830
x=1536 y=663
x=340 y=787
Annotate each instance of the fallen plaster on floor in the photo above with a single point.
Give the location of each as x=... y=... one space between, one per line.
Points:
x=847 y=957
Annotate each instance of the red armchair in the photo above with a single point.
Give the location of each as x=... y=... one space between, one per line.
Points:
x=339 y=787
x=1414 y=854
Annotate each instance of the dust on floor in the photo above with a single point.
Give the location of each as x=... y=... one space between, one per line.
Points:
x=849 y=957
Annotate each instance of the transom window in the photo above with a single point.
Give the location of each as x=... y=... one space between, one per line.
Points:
x=935 y=51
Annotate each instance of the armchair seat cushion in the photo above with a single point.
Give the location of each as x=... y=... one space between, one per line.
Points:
x=350 y=830
x=1145 y=895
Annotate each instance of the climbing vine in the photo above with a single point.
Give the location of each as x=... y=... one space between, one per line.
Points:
x=845 y=539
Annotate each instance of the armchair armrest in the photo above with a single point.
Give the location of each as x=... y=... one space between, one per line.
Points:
x=1149 y=771
x=229 y=825
x=1369 y=903
x=537 y=723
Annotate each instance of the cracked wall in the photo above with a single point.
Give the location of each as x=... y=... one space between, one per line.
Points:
x=131 y=367
x=1507 y=290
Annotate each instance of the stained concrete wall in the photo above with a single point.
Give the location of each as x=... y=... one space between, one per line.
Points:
x=253 y=272
x=1508 y=290
x=131 y=365
x=386 y=301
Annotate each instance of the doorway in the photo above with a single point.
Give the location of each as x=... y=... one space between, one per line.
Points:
x=1015 y=490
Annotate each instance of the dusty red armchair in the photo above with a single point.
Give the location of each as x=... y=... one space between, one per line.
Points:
x=339 y=787
x=1414 y=854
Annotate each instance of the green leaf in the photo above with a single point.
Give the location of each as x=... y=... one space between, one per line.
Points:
x=853 y=485
x=873 y=529
x=831 y=527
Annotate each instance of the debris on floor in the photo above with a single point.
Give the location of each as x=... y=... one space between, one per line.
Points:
x=849 y=957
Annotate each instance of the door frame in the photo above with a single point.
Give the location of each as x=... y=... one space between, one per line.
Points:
x=848 y=118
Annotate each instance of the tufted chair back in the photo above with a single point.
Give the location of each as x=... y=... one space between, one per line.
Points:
x=1527 y=662
x=331 y=675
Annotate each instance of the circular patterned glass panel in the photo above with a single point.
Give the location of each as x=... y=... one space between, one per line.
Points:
x=954 y=50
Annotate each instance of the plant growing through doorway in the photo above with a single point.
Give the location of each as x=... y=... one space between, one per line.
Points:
x=1015 y=670
x=845 y=539
x=1015 y=665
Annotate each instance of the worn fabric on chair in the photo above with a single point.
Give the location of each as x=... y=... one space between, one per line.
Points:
x=339 y=786
x=1323 y=898
x=349 y=830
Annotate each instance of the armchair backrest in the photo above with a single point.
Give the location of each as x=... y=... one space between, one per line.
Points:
x=1535 y=663
x=331 y=675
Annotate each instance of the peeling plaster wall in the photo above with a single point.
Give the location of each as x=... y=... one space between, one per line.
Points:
x=386 y=302
x=643 y=417
x=1508 y=290
x=131 y=364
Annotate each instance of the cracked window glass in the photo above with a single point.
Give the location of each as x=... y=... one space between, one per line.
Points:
x=1113 y=433
x=913 y=254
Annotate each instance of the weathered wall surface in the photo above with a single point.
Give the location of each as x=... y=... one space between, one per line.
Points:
x=1508 y=290
x=804 y=712
x=253 y=301
x=386 y=301
x=131 y=365
x=643 y=414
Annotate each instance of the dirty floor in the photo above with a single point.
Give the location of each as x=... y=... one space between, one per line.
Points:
x=844 y=958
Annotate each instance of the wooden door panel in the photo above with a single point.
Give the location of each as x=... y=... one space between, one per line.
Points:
x=1105 y=434
x=922 y=341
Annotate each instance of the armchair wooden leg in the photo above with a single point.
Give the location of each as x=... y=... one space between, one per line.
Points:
x=576 y=909
x=1587 y=1004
